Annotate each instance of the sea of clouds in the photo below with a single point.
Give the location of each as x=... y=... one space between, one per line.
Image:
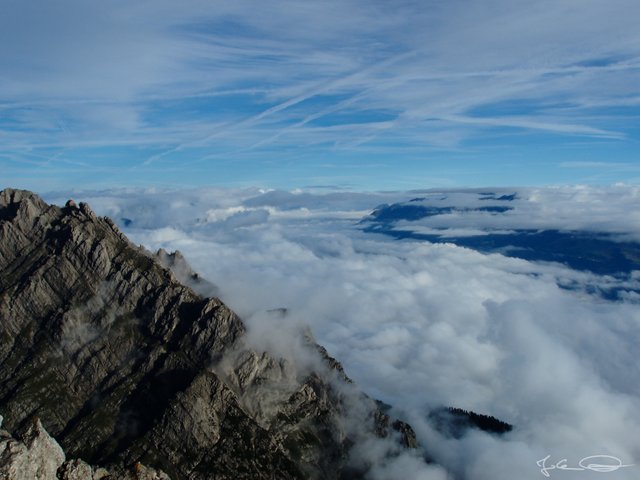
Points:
x=419 y=325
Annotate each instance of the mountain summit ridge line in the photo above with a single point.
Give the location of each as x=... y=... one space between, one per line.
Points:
x=123 y=364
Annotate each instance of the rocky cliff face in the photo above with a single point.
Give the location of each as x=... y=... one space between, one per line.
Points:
x=34 y=455
x=125 y=365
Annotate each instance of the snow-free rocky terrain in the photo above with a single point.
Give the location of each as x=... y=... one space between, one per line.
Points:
x=110 y=366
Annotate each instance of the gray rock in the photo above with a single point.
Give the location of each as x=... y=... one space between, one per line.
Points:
x=35 y=456
x=125 y=364
x=75 y=470
x=184 y=273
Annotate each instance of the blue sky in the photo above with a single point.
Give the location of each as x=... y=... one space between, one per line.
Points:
x=355 y=94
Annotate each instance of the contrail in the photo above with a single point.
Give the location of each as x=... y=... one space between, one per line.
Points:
x=284 y=105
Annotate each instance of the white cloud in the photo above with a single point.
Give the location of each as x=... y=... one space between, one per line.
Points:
x=420 y=325
x=114 y=74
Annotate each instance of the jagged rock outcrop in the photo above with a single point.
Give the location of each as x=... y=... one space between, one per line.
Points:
x=35 y=455
x=176 y=262
x=128 y=367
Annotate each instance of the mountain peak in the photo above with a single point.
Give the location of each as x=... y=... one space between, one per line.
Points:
x=125 y=364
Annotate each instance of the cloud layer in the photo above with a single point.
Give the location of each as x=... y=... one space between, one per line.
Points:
x=419 y=325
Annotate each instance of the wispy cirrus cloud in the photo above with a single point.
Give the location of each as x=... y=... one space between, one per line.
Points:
x=159 y=84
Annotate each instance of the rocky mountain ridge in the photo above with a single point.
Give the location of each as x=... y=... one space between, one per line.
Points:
x=126 y=366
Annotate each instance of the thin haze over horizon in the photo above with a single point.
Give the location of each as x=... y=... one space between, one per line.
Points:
x=349 y=94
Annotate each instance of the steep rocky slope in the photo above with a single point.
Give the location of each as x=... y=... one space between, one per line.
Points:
x=124 y=364
x=35 y=455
